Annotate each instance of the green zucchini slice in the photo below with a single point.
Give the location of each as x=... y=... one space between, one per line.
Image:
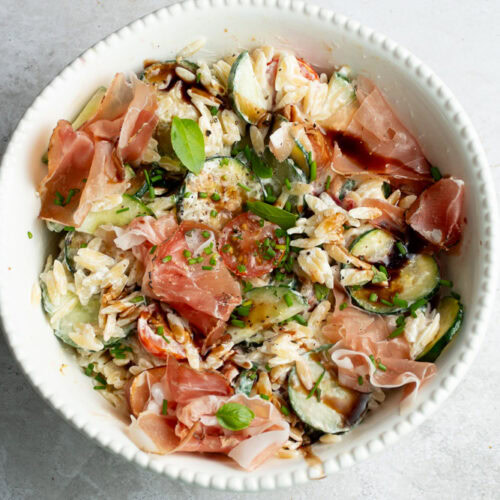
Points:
x=73 y=241
x=451 y=314
x=415 y=277
x=245 y=382
x=90 y=108
x=269 y=306
x=281 y=172
x=246 y=94
x=78 y=314
x=333 y=409
x=130 y=208
x=374 y=246
x=218 y=192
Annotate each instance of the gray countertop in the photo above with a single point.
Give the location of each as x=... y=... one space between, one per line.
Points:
x=454 y=454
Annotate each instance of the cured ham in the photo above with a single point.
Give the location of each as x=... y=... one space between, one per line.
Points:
x=171 y=275
x=87 y=165
x=438 y=213
x=144 y=232
x=363 y=346
x=392 y=218
x=182 y=383
x=70 y=158
x=376 y=142
x=188 y=423
x=127 y=115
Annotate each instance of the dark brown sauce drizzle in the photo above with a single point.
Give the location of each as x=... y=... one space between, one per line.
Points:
x=359 y=153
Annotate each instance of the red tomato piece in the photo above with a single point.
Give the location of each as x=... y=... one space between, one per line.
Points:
x=250 y=245
x=155 y=335
x=306 y=70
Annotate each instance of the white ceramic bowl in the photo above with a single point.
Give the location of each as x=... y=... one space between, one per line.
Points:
x=423 y=103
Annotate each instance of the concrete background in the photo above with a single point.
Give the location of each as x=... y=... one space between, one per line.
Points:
x=455 y=454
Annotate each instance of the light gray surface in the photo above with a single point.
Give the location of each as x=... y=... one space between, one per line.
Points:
x=455 y=454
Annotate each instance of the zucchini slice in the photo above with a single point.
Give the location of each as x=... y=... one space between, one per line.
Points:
x=78 y=314
x=302 y=157
x=218 y=192
x=417 y=279
x=411 y=277
x=281 y=171
x=268 y=307
x=90 y=108
x=73 y=241
x=451 y=314
x=158 y=72
x=130 y=208
x=374 y=246
x=246 y=94
x=245 y=382
x=336 y=409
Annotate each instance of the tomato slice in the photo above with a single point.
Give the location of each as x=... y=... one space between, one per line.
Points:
x=305 y=68
x=155 y=335
x=251 y=246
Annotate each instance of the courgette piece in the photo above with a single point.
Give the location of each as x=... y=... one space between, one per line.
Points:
x=245 y=382
x=247 y=96
x=158 y=72
x=218 y=192
x=78 y=314
x=416 y=276
x=451 y=314
x=90 y=108
x=281 y=171
x=331 y=408
x=374 y=246
x=268 y=307
x=302 y=157
x=73 y=241
x=121 y=215
x=417 y=279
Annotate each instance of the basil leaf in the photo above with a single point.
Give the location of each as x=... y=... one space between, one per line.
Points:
x=234 y=416
x=259 y=168
x=188 y=143
x=277 y=215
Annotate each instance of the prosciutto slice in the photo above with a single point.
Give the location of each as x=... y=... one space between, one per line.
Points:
x=358 y=336
x=170 y=277
x=388 y=147
x=70 y=159
x=189 y=423
x=182 y=383
x=127 y=114
x=438 y=213
x=144 y=232
x=86 y=165
x=392 y=218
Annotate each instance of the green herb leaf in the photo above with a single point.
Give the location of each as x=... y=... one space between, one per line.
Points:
x=281 y=217
x=436 y=174
x=234 y=416
x=259 y=168
x=188 y=143
x=316 y=385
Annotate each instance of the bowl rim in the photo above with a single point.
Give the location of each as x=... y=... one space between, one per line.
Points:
x=487 y=203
